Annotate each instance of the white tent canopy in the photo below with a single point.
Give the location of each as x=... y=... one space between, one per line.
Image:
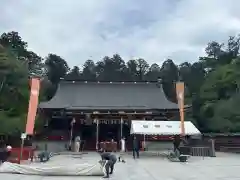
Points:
x=162 y=128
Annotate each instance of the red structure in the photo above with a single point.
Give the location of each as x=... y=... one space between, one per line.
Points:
x=27 y=153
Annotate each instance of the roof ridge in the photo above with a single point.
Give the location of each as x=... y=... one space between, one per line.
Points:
x=109 y=82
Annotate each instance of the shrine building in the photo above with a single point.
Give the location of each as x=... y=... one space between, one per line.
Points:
x=100 y=111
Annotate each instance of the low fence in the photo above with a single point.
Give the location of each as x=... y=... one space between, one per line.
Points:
x=194 y=148
x=201 y=151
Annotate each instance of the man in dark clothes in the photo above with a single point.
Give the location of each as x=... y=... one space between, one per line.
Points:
x=136 y=147
x=110 y=159
x=176 y=143
x=5 y=153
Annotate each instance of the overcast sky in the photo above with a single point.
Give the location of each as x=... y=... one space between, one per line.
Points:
x=91 y=29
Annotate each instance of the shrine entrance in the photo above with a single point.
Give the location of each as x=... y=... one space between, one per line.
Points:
x=108 y=132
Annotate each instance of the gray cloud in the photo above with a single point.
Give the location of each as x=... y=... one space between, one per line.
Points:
x=154 y=30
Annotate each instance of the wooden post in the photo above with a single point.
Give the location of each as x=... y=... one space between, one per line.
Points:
x=71 y=133
x=97 y=128
x=97 y=131
x=144 y=139
x=121 y=130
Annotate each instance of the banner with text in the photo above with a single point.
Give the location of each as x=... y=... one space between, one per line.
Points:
x=33 y=104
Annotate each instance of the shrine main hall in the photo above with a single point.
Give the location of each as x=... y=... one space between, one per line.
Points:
x=100 y=111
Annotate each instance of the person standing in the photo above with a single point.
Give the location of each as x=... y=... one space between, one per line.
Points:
x=176 y=143
x=123 y=150
x=5 y=153
x=77 y=144
x=123 y=145
x=136 y=147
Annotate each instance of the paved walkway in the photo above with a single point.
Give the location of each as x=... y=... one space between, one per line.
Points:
x=223 y=167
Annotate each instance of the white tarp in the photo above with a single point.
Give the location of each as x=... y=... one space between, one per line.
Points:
x=50 y=170
x=162 y=128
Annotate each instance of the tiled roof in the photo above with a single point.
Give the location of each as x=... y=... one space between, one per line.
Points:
x=109 y=96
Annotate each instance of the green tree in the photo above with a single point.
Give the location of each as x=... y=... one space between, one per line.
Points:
x=110 y=69
x=13 y=92
x=57 y=68
x=132 y=70
x=14 y=43
x=89 y=71
x=226 y=116
x=154 y=73
x=74 y=74
x=169 y=75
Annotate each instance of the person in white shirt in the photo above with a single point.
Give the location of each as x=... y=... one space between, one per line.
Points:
x=123 y=149
x=77 y=144
x=123 y=145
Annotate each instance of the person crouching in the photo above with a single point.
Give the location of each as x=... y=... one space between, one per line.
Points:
x=109 y=161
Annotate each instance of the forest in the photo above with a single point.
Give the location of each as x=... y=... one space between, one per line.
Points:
x=212 y=82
